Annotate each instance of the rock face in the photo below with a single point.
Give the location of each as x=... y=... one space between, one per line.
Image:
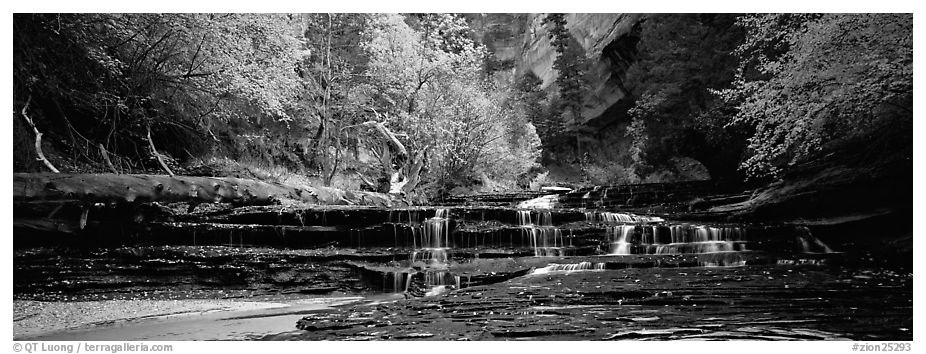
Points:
x=522 y=41
x=520 y=44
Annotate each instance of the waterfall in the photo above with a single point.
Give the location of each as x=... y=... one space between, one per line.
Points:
x=675 y=239
x=439 y=278
x=524 y=218
x=620 y=235
x=555 y=267
x=547 y=241
x=433 y=241
x=409 y=216
x=436 y=230
x=545 y=218
x=438 y=282
x=433 y=255
x=429 y=238
x=544 y=202
x=400 y=281
x=609 y=217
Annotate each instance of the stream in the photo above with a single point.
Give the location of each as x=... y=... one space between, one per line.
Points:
x=467 y=272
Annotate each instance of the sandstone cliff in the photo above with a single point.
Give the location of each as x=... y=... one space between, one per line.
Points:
x=520 y=44
x=523 y=42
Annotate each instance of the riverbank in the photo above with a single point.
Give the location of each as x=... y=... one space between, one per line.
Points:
x=146 y=319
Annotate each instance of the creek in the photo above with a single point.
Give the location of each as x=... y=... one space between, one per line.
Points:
x=470 y=272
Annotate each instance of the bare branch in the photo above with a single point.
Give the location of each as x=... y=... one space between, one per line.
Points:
x=157 y=154
x=106 y=158
x=38 y=138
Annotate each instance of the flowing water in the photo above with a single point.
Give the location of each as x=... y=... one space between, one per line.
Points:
x=475 y=272
x=677 y=239
x=545 y=239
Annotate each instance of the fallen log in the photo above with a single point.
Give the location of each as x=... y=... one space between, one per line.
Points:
x=118 y=188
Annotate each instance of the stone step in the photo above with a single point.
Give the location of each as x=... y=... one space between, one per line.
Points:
x=358 y=217
x=577 y=238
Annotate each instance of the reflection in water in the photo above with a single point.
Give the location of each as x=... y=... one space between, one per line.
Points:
x=809 y=243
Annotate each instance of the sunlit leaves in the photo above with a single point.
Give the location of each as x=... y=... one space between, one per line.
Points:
x=427 y=82
x=810 y=80
x=273 y=88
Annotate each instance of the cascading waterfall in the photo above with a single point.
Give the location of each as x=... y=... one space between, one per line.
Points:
x=626 y=234
x=547 y=241
x=405 y=216
x=609 y=217
x=432 y=255
x=544 y=218
x=524 y=218
x=438 y=282
x=441 y=278
x=400 y=281
x=544 y=202
x=675 y=239
x=432 y=242
x=619 y=235
x=555 y=267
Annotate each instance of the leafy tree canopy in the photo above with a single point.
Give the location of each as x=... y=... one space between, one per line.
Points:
x=809 y=81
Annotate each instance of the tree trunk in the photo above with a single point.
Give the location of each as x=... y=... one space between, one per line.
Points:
x=107 y=188
x=575 y=120
x=399 y=177
x=319 y=155
x=400 y=152
x=414 y=176
x=329 y=175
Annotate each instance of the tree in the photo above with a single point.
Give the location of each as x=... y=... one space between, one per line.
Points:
x=529 y=97
x=115 y=79
x=285 y=91
x=810 y=82
x=571 y=66
x=332 y=68
x=427 y=82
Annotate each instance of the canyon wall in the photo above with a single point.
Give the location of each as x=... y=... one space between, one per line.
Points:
x=522 y=42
